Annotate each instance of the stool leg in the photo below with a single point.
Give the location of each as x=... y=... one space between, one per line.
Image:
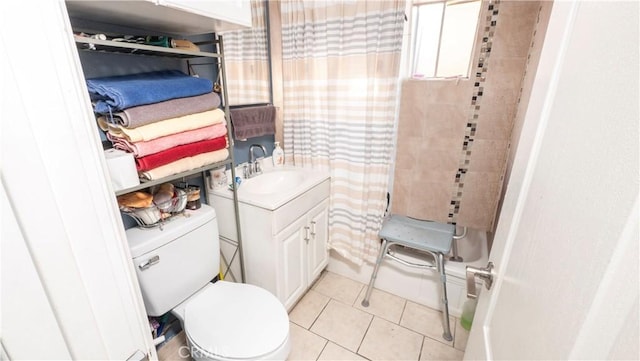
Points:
x=383 y=250
x=445 y=302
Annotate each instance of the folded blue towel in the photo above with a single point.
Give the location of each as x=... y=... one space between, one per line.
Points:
x=115 y=93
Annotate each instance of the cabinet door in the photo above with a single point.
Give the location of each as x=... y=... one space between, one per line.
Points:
x=234 y=14
x=291 y=272
x=318 y=255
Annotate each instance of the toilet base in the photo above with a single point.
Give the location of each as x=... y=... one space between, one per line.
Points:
x=281 y=353
x=197 y=352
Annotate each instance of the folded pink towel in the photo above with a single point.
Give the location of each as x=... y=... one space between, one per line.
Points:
x=141 y=149
x=185 y=164
x=164 y=127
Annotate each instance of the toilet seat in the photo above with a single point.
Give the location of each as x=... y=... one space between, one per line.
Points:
x=228 y=321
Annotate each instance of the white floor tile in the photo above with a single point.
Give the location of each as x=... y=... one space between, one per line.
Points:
x=308 y=309
x=342 y=324
x=426 y=321
x=305 y=345
x=339 y=288
x=334 y=352
x=434 y=350
x=382 y=304
x=389 y=341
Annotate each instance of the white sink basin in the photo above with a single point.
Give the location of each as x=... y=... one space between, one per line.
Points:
x=275 y=187
x=275 y=181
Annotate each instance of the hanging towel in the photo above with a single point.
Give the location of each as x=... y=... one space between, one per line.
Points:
x=182 y=151
x=164 y=127
x=185 y=164
x=114 y=93
x=146 y=114
x=141 y=149
x=252 y=122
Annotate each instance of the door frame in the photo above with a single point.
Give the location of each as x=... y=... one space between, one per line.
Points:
x=593 y=340
x=55 y=177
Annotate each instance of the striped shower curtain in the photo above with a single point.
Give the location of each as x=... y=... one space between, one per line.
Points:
x=247 y=60
x=340 y=75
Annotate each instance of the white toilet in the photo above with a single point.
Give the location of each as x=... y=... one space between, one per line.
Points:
x=222 y=320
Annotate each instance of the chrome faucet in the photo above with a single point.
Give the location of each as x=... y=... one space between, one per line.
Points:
x=254 y=168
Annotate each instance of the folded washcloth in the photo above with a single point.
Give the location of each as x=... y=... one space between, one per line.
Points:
x=151 y=113
x=182 y=151
x=164 y=127
x=252 y=122
x=185 y=164
x=114 y=93
x=141 y=149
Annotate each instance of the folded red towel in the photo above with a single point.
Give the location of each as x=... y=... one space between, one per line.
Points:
x=142 y=149
x=182 y=151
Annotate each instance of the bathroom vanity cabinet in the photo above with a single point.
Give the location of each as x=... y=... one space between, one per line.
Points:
x=284 y=243
x=301 y=253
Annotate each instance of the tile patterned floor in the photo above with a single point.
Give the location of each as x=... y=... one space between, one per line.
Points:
x=329 y=323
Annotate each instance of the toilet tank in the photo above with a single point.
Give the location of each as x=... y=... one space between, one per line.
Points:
x=174 y=262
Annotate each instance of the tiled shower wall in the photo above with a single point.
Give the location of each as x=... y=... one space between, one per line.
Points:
x=537 y=40
x=454 y=134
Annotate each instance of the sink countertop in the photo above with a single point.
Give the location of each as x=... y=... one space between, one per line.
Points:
x=273 y=200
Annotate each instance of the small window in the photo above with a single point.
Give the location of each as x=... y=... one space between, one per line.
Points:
x=443 y=35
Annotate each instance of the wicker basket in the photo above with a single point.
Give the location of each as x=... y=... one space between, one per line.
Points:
x=159 y=213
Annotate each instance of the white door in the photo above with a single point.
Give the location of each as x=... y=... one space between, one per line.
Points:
x=15 y=335
x=566 y=247
x=68 y=289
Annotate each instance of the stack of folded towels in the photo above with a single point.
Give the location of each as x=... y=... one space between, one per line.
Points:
x=168 y=120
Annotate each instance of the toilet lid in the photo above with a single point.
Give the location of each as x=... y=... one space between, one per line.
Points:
x=236 y=320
